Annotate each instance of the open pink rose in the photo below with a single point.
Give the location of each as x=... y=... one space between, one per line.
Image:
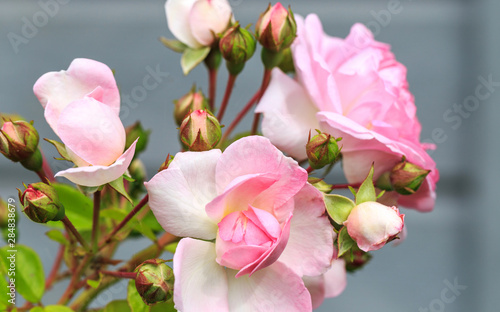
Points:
x=195 y=22
x=328 y=285
x=82 y=106
x=372 y=225
x=351 y=88
x=253 y=226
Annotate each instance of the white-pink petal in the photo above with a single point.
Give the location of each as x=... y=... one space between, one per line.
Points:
x=179 y=194
x=276 y=288
x=288 y=115
x=310 y=247
x=200 y=283
x=209 y=18
x=178 y=12
x=100 y=175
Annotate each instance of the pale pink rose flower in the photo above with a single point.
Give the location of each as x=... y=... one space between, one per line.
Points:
x=351 y=88
x=195 y=22
x=268 y=225
x=82 y=106
x=328 y=285
x=372 y=225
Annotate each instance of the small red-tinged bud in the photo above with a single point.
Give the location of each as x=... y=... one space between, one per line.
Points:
x=276 y=28
x=18 y=140
x=406 y=177
x=322 y=150
x=137 y=131
x=154 y=281
x=166 y=163
x=200 y=131
x=237 y=46
x=192 y=101
x=41 y=203
x=358 y=260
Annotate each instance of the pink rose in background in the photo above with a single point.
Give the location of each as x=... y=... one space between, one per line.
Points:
x=82 y=106
x=328 y=285
x=351 y=88
x=268 y=227
x=195 y=22
x=372 y=225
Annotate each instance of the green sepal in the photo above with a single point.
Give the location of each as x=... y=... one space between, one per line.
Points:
x=95 y=283
x=174 y=45
x=117 y=306
x=118 y=186
x=61 y=149
x=134 y=299
x=57 y=308
x=366 y=192
x=192 y=57
x=344 y=242
x=338 y=207
x=171 y=247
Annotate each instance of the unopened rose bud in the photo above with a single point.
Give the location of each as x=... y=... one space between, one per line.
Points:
x=192 y=101
x=406 y=177
x=200 y=131
x=41 y=203
x=276 y=28
x=154 y=281
x=166 y=163
x=137 y=131
x=9 y=117
x=237 y=46
x=18 y=140
x=358 y=260
x=372 y=225
x=322 y=150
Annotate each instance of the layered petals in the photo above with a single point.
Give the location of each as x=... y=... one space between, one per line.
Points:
x=84 y=77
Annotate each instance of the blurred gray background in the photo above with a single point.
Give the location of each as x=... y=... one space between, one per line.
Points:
x=446 y=45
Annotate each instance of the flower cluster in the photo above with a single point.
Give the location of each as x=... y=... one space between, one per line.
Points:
x=250 y=226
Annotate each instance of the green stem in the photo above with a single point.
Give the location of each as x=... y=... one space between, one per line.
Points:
x=71 y=228
x=95 y=219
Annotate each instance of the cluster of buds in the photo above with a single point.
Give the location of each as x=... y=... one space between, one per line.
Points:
x=19 y=143
x=200 y=131
x=192 y=101
x=154 y=281
x=237 y=46
x=405 y=178
x=322 y=150
x=41 y=203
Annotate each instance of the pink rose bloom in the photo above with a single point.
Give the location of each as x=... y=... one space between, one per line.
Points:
x=253 y=226
x=195 y=22
x=372 y=225
x=351 y=88
x=328 y=285
x=82 y=105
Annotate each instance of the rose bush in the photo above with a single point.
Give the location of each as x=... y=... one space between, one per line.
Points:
x=354 y=89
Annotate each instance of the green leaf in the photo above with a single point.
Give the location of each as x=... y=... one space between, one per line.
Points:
x=57 y=308
x=135 y=301
x=93 y=283
x=117 y=306
x=61 y=149
x=338 y=207
x=78 y=207
x=171 y=247
x=30 y=281
x=174 y=45
x=366 y=192
x=192 y=57
x=119 y=215
x=164 y=307
x=345 y=242
x=37 y=309
x=118 y=186
x=57 y=236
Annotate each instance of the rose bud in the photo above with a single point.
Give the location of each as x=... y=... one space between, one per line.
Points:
x=196 y=22
x=18 y=140
x=372 y=225
x=322 y=150
x=134 y=132
x=237 y=46
x=200 y=131
x=9 y=117
x=276 y=28
x=154 y=281
x=41 y=203
x=406 y=177
x=190 y=102
x=358 y=260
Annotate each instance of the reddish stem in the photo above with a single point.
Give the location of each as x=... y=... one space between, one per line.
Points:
x=49 y=174
x=55 y=268
x=71 y=228
x=130 y=275
x=265 y=83
x=95 y=219
x=240 y=116
x=309 y=169
x=72 y=287
x=227 y=96
x=212 y=81
x=344 y=186
x=131 y=214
